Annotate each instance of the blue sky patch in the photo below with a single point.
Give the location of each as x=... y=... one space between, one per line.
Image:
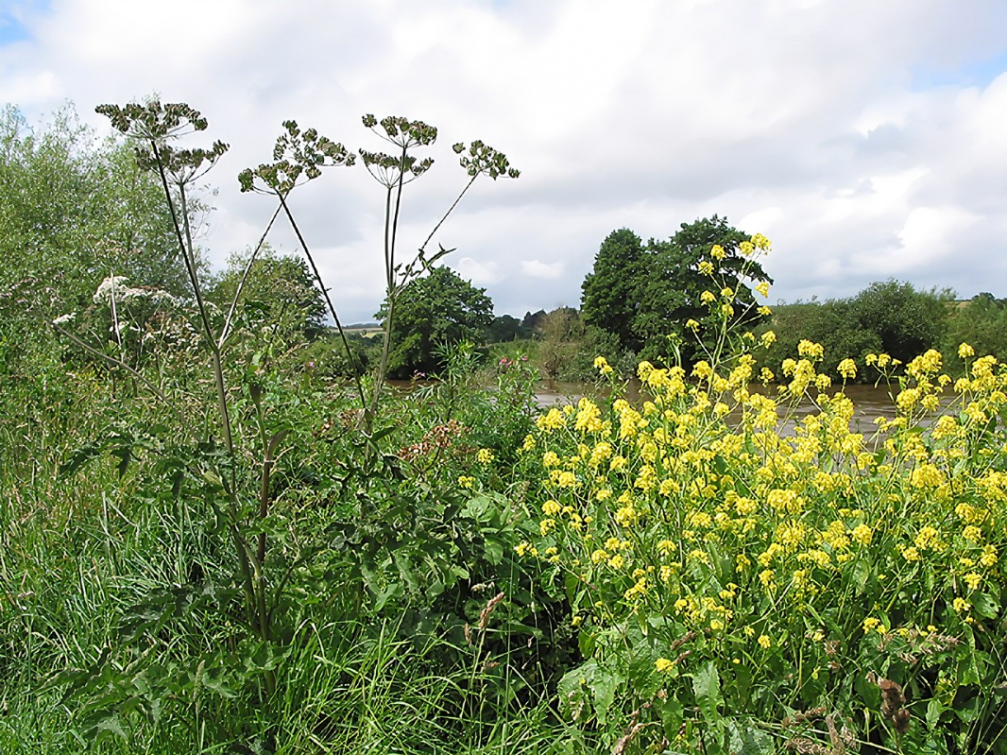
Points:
x=976 y=73
x=12 y=15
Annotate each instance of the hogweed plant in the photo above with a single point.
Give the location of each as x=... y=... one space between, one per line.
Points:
x=747 y=579
x=393 y=172
x=234 y=479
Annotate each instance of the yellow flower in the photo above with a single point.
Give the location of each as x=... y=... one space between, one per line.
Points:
x=551 y=508
x=567 y=480
x=601 y=364
x=765 y=642
x=973 y=580
x=552 y=420
x=664 y=665
x=466 y=482
x=768 y=339
x=707 y=297
x=862 y=534
x=485 y=456
x=870 y=624
x=965 y=351
x=692 y=324
x=960 y=605
x=706 y=268
x=847 y=369
x=717 y=252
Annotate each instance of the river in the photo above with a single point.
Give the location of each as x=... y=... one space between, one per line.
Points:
x=869 y=402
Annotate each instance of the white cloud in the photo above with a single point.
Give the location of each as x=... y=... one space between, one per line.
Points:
x=546 y=271
x=480 y=273
x=808 y=120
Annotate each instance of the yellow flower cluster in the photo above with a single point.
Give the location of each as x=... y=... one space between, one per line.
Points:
x=716 y=500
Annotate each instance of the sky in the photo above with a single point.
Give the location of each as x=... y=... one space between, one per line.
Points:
x=866 y=139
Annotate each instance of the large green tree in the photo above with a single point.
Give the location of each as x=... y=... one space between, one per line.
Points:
x=907 y=321
x=674 y=275
x=610 y=293
x=644 y=294
x=433 y=311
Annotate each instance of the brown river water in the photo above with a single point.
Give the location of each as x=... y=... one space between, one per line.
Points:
x=869 y=402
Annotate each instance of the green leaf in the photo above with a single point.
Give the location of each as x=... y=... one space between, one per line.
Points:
x=706 y=686
x=744 y=739
x=934 y=710
x=671 y=712
x=984 y=605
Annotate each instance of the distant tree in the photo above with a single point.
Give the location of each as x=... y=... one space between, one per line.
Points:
x=533 y=320
x=611 y=292
x=507 y=328
x=906 y=321
x=562 y=331
x=73 y=213
x=438 y=309
x=279 y=299
x=672 y=281
x=982 y=323
x=827 y=323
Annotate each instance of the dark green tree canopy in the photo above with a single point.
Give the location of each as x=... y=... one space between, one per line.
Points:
x=437 y=309
x=907 y=321
x=610 y=293
x=645 y=293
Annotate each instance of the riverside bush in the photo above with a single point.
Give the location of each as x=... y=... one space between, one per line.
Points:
x=744 y=581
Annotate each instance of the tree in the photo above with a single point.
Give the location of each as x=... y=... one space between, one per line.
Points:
x=562 y=332
x=674 y=274
x=436 y=310
x=279 y=295
x=906 y=321
x=507 y=328
x=72 y=213
x=610 y=293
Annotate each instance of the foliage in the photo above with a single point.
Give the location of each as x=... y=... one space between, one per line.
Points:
x=676 y=276
x=907 y=321
x=740 y=568
x=561 y=332
x=645 y=295
x=981 y=322
x=890 y=317
x=276 y=297
x=437 y=309
x=611 y=291
x=507 y=328
x=72 y=212
x=827 y=323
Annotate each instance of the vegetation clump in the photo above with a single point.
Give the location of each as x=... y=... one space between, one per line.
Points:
x=218 y=537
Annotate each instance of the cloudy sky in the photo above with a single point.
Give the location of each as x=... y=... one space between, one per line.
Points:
x=866 y=138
